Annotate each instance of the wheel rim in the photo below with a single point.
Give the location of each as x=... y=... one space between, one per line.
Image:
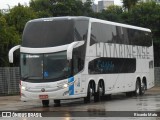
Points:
x=137 y=89
x=143 y=87
x=101 y=89
x=90 y=92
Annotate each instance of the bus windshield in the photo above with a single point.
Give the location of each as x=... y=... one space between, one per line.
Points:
x=52 y=66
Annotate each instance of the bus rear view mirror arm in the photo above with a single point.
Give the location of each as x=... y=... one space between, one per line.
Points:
x=71 y=46
x=10 y=54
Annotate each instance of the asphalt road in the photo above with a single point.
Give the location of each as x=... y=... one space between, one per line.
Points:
x=118 y=107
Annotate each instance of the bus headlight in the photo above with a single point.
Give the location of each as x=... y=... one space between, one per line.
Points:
x=23 y=88
x=65 y=85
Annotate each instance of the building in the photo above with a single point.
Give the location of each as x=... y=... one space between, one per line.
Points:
x=157 y=1
x=83 y=0
x=104 y=4
x=95 y=7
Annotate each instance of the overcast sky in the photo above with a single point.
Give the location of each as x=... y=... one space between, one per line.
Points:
x=4 y=4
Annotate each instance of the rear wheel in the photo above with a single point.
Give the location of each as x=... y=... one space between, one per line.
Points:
x=45 y=103
x=100 y=92
x=143 y=88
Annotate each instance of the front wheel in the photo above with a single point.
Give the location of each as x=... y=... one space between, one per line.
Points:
x=90 y=92
x=45 y=103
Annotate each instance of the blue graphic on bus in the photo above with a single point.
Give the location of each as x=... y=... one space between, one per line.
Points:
x=45 y=74
x=105 y=65
x=71 y=87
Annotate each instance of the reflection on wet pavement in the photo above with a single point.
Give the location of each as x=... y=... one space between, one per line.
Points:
x=119 y=102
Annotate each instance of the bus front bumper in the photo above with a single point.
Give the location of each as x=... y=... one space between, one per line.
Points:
x=56 y=95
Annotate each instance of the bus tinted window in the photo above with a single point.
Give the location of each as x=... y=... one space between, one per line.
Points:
x=115 y=34
x=80 y=30
x=54 y=33
x=80 y=33
x=102 y=33
x=140 y=38
x=112 y=65
x=47 y=33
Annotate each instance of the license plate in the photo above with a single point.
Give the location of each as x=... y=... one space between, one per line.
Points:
x=43 y=96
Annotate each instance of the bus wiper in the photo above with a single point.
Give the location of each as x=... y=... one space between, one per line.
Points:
x=25 y=77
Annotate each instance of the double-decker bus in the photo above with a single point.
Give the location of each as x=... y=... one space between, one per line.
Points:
x=82 y=57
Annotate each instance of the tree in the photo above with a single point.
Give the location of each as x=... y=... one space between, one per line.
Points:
x=42 y=7
x=128 y=4
x=8 y=38
x=112 y=13
x=11 y=29
x=61 y=7
x=19 y=16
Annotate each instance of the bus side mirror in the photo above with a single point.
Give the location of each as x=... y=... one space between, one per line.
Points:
x=71 y=46
x=10 y=54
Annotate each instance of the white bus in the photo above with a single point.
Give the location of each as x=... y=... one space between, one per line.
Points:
x=82 y=57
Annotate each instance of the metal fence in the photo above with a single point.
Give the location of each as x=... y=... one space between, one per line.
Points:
x=9 y=80
x=10 y=76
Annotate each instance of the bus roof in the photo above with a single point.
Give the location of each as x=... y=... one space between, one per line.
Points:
x=119 y=24
x=91 y=20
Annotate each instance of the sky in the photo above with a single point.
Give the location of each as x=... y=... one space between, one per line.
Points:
x=4 y=4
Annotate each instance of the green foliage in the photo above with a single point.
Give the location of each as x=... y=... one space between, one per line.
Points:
x=46 y=8
x=11 y=28
x=8 y=37
x=128 y=4
x=41 y=7
x=18 y=17
x=113 y=13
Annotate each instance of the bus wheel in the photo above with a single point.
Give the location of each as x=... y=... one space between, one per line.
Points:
x=57 y=103
x=138 y=88
x=143 y=88
x=90 y=92
x=45 y=103
x=100 y=92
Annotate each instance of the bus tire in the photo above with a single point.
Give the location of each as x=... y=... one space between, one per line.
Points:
x=137 y=89
x=89 y=94
x=57 y=103
x=143 y=88
x=45 y=103
x=100 y=92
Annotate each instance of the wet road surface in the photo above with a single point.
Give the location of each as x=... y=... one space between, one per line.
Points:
x=117 y=106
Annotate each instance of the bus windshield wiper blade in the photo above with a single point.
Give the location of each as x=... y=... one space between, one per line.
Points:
x=24 y=78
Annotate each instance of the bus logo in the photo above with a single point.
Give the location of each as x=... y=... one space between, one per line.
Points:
x=43 y=90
